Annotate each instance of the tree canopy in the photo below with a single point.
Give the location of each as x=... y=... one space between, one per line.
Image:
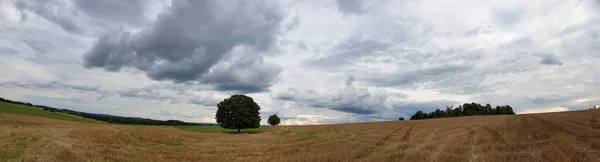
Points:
x=15 y=102
x=274 y=120
x=467 y=109
x=238 y=112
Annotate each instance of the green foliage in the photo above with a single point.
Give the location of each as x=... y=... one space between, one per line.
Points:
x=401 y=118
x=219 y=129
x=467 y=109
x=274 y=120
x=419 y=115
x=32 y=111
x=238 y=112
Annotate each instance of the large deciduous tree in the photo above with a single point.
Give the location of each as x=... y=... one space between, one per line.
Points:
x=238 y=112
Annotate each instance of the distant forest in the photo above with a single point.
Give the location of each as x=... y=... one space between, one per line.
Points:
x=467 y=109
x=108 y=118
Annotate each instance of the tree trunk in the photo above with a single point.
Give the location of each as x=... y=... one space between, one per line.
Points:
x=238 y=130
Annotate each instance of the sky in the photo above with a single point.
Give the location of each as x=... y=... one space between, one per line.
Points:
x=308 y=61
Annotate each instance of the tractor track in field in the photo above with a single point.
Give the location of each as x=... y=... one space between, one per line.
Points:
x=387 y=137
x=594 y=122
x=494 y=134
x=523 y=126
x=553 y=125
x=367 y=151
x=473 y=149
x=509 y=123
x=406 y=136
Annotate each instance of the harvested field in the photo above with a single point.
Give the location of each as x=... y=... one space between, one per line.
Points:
x=566 y=136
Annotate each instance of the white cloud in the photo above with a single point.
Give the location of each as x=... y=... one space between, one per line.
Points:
x=9 y=13
x=544 y=110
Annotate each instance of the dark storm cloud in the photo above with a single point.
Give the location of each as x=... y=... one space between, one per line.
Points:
x=247 y=75
x=120 y=11
x=349 y=6
x=549 y=59
x=191 y=38
x=50 y=10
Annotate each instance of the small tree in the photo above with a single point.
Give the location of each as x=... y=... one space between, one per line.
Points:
x=238 y=112
x=401 y=118
x=274 y=120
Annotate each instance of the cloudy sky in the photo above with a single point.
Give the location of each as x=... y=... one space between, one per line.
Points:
x=309 y=61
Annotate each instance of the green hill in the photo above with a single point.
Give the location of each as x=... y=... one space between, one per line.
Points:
x=26 y=110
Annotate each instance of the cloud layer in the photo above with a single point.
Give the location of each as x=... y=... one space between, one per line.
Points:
x=310 y=62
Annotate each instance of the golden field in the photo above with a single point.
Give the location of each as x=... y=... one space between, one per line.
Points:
x=565 y=136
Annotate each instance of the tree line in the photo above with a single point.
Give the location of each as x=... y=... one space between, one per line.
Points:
x=467 y=109
x=15 y=102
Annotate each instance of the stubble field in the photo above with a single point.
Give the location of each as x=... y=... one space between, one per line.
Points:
x=567 y=136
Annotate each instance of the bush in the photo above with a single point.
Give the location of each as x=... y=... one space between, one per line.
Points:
x=274 y=120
